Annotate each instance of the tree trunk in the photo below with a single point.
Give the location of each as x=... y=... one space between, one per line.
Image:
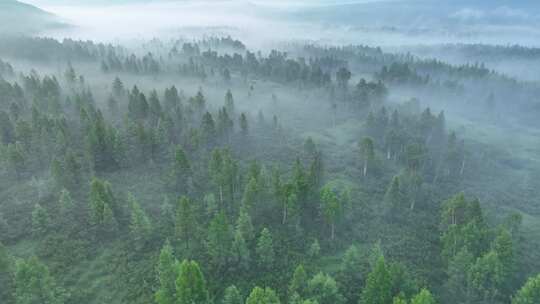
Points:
x=284 y=215
x=365 y=168
x=221 y=197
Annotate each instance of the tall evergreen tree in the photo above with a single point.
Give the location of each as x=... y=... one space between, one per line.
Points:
x=232 y=296
x=529 y=293
x=167 y=271
x=265 y=250
x=262 y=296
x=185 y=222
x=34 y=284
x=424 y=297
x=378 y=288
x=190 y=284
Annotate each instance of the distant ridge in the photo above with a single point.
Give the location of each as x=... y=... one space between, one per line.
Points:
x=21 y=18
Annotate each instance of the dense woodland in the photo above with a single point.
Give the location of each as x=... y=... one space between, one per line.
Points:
x=193 y=172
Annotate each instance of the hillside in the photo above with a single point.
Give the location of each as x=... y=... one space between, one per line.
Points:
x=17 y=17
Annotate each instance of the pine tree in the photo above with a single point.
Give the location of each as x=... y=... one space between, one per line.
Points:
x=323 y=289
x=424 y=297
x=208 y=127
x=249 y=199
x=245 y=226
x=6 y=276
x=351 y=274
x=367 y=151
x=167 y=271
x=529 y=293
x=102 y=203
x=262 y=296
x=265 y=250
x=34 y=284
x=185 y=222
x=229 y=102
x=190 y=284
x=232 y=296
x=455 y=288
x=219 y=241
x=331 y=208
x=118 y=87
x=485 y=277
x=240 y=251
x=244 y=127
x=378 y=287
x=139 y=226
x=298 y=284
x=41 y=221
x=181 y=172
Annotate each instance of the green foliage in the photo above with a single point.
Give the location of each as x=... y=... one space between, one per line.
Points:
x=232 y=296
x=41 y=221
x=185 y=221
x=103 y=205
x=240 y=251
x=220 y=240
x=262 y=296
x=140 y=226
x=463 y=226
x=424 y=297
x=190 y=284
x=529 y=293
x=180 y=175
x=486 y=276
x=378 y=288
x=167 y=271
x=298 y=284
x=34 y=284
x=456 y=287
x=6 y=275
x=323 y=289
x=265 y=250
x=351 y=275
x=244 y=225
x=331 y=207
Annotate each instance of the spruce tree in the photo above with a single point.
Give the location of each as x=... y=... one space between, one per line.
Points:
x=190 y=284
x=378 y=287
x=167 y=271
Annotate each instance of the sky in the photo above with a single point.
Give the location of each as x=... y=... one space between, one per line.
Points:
x=373 y=22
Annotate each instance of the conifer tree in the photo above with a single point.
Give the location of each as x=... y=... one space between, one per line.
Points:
x=529 y=293
x=323 y=289
x=167 y=271
x=424 y=297
x=232 y=296
x=41 y=221
x=219 y=241
x=331 y=208
x=265 y=250
x=378 y=288
x=262 y=296
x=185 y=222
x=140 y=226
x=368 y=154
x=190 y=284
x=298 y=284
x=34 y=283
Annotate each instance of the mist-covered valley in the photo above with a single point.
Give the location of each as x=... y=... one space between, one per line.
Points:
x=313 y=152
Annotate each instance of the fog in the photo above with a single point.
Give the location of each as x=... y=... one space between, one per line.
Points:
x=375 y=22
x=258 y=151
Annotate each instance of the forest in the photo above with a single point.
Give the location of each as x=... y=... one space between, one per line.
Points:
x=206 y=170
